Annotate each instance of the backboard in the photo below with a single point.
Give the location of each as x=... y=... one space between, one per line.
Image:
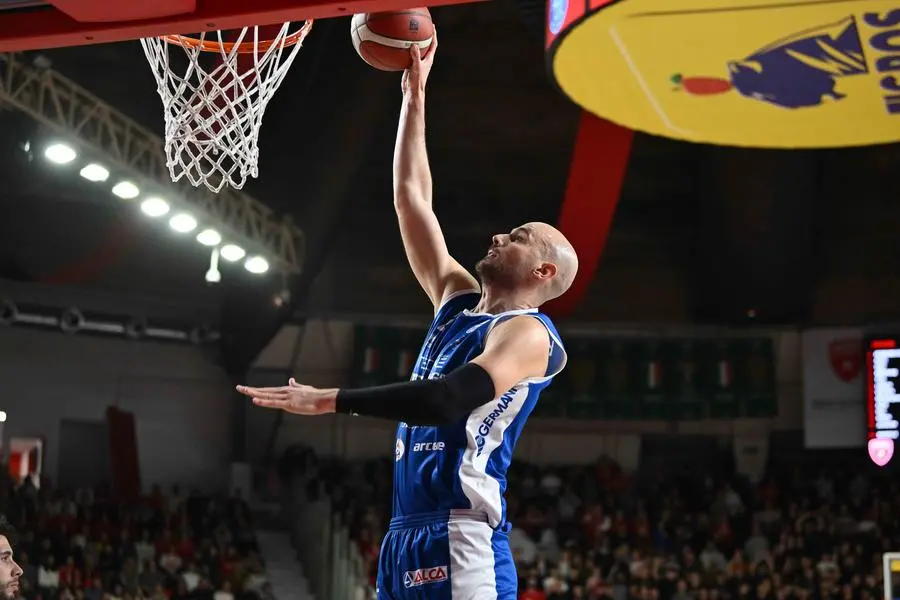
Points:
x=38 y=24
x=213 y=108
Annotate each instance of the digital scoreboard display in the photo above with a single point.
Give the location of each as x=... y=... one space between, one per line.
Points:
x=883 y=383
x=882 y=362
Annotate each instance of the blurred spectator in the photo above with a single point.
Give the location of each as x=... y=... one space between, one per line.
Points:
x=87 y=545
x=597 y=533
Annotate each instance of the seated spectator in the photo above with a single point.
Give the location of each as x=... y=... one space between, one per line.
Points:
x=48 y=576
x=177 y=554
x=597 y=533
x=224 y=592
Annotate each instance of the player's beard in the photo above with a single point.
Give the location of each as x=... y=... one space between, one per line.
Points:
x=496 y=273
x=9 y=591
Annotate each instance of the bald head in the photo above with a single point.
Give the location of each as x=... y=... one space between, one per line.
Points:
x=558 y=251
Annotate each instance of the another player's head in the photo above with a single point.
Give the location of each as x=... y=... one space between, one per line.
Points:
x=10 y=571
x=535 y=260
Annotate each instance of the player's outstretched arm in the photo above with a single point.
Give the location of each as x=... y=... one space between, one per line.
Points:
x=516 y=350
x=437 y=272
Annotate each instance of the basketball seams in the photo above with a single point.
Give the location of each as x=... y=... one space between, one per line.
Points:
x=367 y=35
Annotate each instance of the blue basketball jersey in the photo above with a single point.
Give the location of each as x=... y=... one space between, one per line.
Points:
x=463 y=466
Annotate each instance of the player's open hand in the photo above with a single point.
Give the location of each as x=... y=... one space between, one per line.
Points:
x=293 y=398
x=415 y=77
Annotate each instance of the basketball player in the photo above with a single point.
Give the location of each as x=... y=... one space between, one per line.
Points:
x=487 y=356
x=10 y=571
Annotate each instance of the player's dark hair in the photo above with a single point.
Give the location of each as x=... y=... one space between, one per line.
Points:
x=9 y=531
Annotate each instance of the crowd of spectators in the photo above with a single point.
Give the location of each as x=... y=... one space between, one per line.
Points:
x=86 y=545
x=592 y=533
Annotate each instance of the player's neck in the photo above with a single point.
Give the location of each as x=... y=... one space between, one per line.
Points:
x=493 y=302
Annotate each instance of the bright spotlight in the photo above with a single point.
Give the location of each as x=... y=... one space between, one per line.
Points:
x=183 y=223
x=126 y=190
x=209 y=237
x=60 y=154
x=155 y=207
x=256 y=264
x=232 y=253
x=94 y=172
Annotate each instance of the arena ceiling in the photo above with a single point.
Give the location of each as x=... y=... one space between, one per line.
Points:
x=723 y=230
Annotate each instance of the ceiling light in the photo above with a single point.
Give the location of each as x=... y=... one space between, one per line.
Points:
x=256 y=264
x=213 y=275
x=60 y=154
x=155 y=207
x=209 y=237
x=183 y=223
x=126 y=190
x=95 y=172
x=232 y=253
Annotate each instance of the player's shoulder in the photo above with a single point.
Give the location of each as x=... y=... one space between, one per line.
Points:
x=520 y=329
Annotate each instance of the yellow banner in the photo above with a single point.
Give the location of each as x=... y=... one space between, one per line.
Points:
x=808 y=74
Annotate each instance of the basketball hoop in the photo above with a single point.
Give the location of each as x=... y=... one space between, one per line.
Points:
x=213 y=114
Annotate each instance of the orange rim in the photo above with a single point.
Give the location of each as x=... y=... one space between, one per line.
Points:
x=242 y=48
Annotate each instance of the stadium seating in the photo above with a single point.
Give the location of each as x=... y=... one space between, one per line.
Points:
x=595 y=532
x=84 y=545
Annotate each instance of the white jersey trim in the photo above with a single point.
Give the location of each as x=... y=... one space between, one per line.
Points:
x=482 y=490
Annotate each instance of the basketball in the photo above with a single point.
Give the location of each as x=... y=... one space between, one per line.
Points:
x=383 y=39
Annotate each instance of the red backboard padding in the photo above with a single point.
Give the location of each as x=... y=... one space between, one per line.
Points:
x=53 y=28
x=105 y=11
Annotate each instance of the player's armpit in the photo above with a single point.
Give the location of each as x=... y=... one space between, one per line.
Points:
x=516 y=350
x=439 y=274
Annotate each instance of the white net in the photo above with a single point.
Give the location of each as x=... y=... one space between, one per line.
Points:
x=214 y=101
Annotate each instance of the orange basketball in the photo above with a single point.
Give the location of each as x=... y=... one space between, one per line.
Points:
x=383 y=39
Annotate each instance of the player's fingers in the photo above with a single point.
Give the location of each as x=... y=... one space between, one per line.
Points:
x=267 y=403
x=429 y=52
x=415 y=52
x=268 y=393
x=252 y=391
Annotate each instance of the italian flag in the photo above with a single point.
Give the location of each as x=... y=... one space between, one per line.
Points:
x=654 y=374
x=726 y=373
x=370 y=360
x=404 y=363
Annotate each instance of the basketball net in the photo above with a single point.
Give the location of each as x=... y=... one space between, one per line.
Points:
x=213 y=113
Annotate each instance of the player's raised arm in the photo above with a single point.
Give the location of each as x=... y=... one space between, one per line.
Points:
x=437 y=272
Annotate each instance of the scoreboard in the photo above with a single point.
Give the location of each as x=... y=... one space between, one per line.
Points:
x=882 y=368
x=882 y=394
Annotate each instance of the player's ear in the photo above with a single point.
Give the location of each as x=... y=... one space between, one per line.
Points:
x=545 y=271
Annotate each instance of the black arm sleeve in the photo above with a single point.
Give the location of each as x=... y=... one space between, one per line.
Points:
x=424 y=402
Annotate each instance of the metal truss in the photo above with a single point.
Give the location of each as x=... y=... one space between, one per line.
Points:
x=69 y=109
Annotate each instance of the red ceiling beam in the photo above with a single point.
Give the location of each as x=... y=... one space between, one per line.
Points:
x=596 y=174
x=54 y=28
